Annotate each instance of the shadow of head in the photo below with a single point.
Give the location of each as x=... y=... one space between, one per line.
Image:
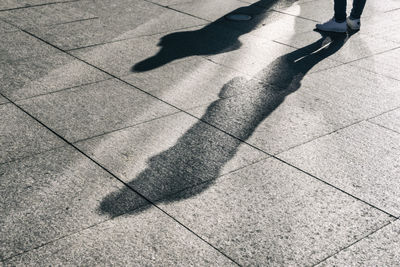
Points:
x=195 y=161
x=217 y=37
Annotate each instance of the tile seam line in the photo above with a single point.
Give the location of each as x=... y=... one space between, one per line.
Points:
x=355 y=242
x=38 y=5
x=127 y=185
x=384 y=127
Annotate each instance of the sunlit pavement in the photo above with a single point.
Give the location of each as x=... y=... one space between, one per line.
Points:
x=159 y=132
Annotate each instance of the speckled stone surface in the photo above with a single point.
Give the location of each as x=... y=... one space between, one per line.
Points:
x=358 y=45
x=18 y=45
x=113 y=22
x=147 y=239
x=11 y=4
x=360 y=91
x=3 y=100
x=22 y=136
x=52 y=195
x=167 y=155
x=384 y=27
x=378 y=249
x=44 y=15
x=362 y=159
x=390 y=120
x=385 y=63
x=6 y=27
x=272 y=214
x=40 y=75
x=94 y=109
x=187 y=83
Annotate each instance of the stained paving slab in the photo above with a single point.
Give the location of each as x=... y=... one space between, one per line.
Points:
x=158 y=132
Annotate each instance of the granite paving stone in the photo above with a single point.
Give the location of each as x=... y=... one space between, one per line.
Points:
x=363 y=92
x=44 y=15
x=389 y=120
x=384 y=63
x=378 y=249
x=149 y=238
x=272 y=214
x=187 y=83
x=38 y=75
x=167 y=155
x=136 y=21
x=11 y=4
x=275 y=122
x=93 y=109
x=51 y=195
x=247 y=57
x=362 y=160
x=384 y=26
x=3 y=100
x=275 y=4
x=6 y=27
x=17 y=45
x=151 y=52
x=322 y=10
x=357 y=45
x=22 y=136
x=208 y=9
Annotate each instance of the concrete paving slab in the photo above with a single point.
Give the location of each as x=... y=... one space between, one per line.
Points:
x=140 y=21
x=379 y=249
x=44 y=15
x=208 y=9
x=3 y=100
x=91 y=110
x=325 y=9
x=357 y=46
x=187 y=83
x=385 y=63
x=17 y=45
x=33 y=76
x=272 y=214
x=362 y=160
x=274 y=4
x=389 y=120
x=49 y=196
x=357 y=90
x=149 y=53
x=275 y=122
x=22 y=136
x=10 y=4
x=247 y=58
x=167 y=155
x=5 y=27
x=384 y=26
x=149 y=238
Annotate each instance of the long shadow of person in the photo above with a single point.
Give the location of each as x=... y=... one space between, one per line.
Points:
x=199 y=155
x=209 y=40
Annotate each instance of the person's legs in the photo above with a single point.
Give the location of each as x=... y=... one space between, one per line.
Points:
x=340 y=10
x=358 y=7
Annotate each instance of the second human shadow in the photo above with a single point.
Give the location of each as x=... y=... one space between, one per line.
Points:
x=199 y=155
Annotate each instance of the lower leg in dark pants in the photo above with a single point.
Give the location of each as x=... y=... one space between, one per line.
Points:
x=340 y=10
x=358 y=7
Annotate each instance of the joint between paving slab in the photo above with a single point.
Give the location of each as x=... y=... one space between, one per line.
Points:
x=384 y=127
x=357 y=241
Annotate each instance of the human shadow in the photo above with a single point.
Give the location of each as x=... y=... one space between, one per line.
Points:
x=210 y=40
x=200 y=154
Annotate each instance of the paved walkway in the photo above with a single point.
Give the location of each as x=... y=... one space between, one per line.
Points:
x=157 y=132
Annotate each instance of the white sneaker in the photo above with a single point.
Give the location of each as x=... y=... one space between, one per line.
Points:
x=332 y=26
x=353 y=24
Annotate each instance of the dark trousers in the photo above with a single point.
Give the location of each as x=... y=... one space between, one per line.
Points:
x=340 y=9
